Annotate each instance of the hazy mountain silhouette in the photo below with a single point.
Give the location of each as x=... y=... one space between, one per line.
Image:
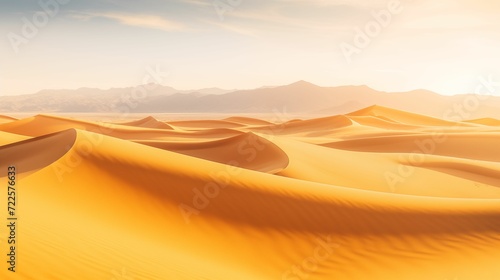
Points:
x=301 y=97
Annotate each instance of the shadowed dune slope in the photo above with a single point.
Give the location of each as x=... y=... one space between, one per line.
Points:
x=36 y=153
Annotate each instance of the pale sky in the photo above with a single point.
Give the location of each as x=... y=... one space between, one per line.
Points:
x=443 y=46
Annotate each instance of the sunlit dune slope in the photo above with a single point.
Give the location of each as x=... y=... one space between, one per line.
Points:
x=477 y=146
x=403 y=173
x=8 y=138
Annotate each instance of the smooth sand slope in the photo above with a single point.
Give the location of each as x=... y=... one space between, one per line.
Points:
x=329 y=198
x=8 y=138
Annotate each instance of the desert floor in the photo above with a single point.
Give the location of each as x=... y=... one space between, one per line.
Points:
x=374 y=194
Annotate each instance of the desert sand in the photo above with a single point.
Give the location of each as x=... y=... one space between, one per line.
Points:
x=374 y=194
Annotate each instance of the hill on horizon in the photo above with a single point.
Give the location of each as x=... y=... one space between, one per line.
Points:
x=298 y=98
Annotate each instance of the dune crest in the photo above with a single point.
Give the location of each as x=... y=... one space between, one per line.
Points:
x=247 y=150
x=37 y=153
x=149 y=122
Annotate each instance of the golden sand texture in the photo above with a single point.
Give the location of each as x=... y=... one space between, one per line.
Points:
x=375 y=194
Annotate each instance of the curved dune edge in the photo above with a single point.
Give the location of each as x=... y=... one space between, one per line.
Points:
x=248 y=151
x=256 y=220
x=34 y=154
x=306 y=126
x=207 y=123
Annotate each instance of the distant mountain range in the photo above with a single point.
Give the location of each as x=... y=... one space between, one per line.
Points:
x=298 y=98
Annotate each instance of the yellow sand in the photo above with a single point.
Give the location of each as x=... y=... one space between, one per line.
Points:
x=377 y=194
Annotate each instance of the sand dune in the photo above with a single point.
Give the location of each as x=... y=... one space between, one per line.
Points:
x=343 y=197
x=149 y=122
x=301 y=126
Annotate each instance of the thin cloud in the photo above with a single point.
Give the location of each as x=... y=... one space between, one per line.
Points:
x=138 y=20
x=198 y=2
x=250 y=32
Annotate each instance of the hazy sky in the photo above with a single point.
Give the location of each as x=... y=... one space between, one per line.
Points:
x=444 y=46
